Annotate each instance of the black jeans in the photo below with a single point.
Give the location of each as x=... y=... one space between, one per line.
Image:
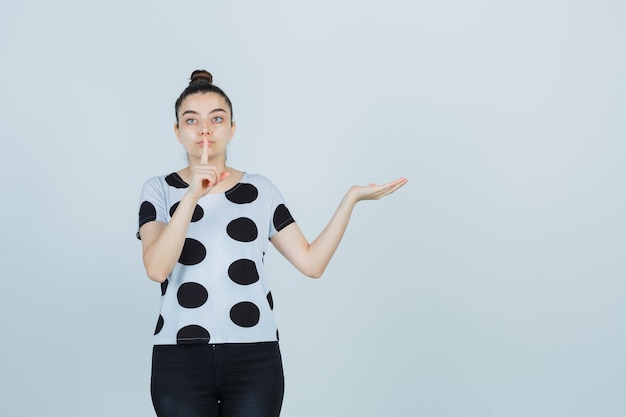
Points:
x=225 y=380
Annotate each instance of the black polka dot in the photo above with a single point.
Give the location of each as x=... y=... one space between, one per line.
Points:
x=192 y=295
x=277 y=336
x=192 y=334
x=270 y=300
x=164 y=285
x=282 y=217
x=159 y=325
x=242 y=229
x=245 y=314
x=147 y=213
x=243 y=272
x=198 y=212
x=193 y=252
x=176 y=181
x=242 y=194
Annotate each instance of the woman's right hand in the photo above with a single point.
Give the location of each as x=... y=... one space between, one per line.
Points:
x=204 y=176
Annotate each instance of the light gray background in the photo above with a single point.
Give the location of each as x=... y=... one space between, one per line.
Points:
x=491 y=285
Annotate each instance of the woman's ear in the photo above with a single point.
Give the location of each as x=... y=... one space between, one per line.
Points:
x=177 y=132
x=233 y=127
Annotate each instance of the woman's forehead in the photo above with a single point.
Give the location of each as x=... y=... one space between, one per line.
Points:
x=204 y=102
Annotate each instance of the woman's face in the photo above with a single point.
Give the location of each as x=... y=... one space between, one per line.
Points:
x=200 y=116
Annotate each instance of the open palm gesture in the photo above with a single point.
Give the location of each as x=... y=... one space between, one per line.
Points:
x=374 y=191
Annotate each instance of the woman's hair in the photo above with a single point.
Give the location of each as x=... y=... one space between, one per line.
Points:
x=201 y=81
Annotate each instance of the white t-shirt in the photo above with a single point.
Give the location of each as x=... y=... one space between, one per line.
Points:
x=218 y=291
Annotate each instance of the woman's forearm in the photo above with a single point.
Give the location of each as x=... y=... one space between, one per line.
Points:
x=324 y=246
x=162 y=254
x=312 y=258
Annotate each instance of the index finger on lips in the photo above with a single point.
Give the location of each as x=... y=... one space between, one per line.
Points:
x=204 y=158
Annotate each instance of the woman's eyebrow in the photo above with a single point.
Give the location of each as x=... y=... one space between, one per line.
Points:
x=195 y=112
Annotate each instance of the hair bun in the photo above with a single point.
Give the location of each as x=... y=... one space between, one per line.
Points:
x=201 y=75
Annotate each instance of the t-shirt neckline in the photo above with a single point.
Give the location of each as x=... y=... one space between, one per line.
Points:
x=230 y=190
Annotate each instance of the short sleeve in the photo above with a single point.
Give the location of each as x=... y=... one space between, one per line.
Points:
x=281 y=217
x=151 y=203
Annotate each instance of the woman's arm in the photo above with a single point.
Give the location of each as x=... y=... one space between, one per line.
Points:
x=163 y=243
x=312 y=258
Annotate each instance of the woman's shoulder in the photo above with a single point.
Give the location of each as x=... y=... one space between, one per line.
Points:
x=257 y=179
x=172 y=179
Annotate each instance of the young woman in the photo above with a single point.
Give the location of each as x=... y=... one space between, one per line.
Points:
x=204 y=232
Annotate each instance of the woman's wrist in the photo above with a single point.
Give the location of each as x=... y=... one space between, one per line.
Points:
x=189 y=198
x=351 y=197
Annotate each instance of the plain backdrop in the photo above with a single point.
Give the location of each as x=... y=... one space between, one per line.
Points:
x=493 y=284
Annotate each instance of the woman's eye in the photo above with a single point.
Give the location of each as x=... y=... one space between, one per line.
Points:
x=190 y=121
x=218 y=119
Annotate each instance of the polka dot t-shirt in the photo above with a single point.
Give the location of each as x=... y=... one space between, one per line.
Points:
x=218 y=292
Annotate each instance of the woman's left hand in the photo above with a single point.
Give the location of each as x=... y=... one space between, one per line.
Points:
x=375 y=192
